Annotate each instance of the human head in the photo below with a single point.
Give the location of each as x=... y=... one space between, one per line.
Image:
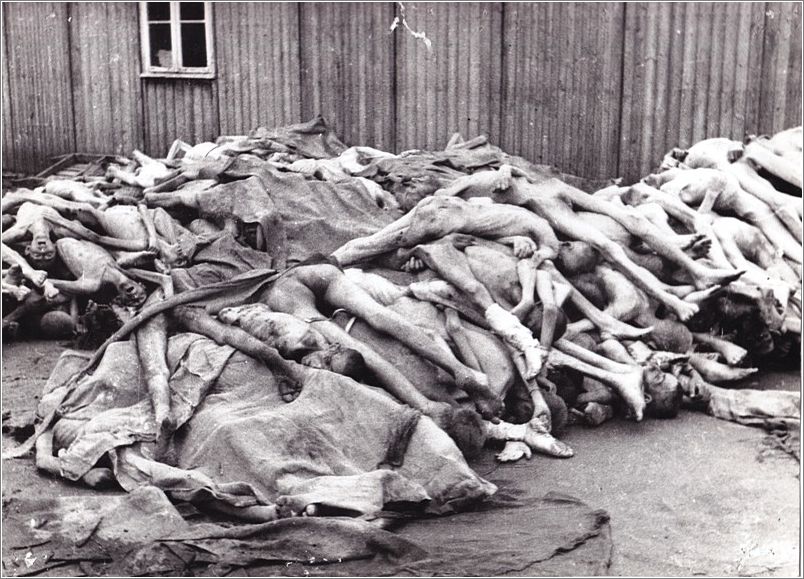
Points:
x=576 y=257
x=466 y=430
x=131 y=293
x=536 y=317
x=670 y=336
x=663 y=394
x=41 y=252
x=338 y=359
x=56 y=325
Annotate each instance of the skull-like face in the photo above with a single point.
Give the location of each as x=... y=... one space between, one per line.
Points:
x=663 y=394
x=41 y=252
x=131 y=293
x=174 y=255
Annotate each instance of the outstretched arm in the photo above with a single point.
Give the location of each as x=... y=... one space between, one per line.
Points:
x=482 y=182
x=35 y=276
x=81 y=232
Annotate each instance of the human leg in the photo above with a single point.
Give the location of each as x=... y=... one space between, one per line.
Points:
x=343 y=293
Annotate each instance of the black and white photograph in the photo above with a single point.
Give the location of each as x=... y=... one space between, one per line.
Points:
x=397 y=289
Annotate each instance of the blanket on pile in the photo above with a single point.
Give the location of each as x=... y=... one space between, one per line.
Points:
x=238 y=442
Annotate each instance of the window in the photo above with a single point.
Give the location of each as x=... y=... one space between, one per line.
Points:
x=177 y=40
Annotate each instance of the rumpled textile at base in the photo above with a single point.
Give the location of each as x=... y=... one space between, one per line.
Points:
x=776 y=411
x=768 y=409
x=240 y=443
x=142 y=533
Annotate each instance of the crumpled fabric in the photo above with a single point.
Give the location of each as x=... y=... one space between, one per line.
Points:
x=335 y=428
x=768 y=409
x=313 y=140
x=114 y=404
x=239 y=442
x=142 y=534
x=248 y=201
x=320 y=216
x=221 y=260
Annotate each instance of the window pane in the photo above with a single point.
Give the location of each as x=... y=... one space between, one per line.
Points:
x=161 y=46
x=158 y=11
x=191 y=10
x=193 y=45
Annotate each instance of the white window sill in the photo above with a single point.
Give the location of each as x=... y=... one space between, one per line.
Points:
x=184 y=75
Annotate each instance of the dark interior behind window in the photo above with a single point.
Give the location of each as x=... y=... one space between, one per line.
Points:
x=161 y=47
x=193 y=44
x=159 y=11
x=191 y=10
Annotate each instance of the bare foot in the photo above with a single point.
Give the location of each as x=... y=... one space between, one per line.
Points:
x=700 y=248
x=732 y=353
x=164 y=429
x=716 y=277
x=489 y=408
x=473 y=382
x=630 y=388
x=698 y=297
x=683 y=310
x=546 y=443
x=513 y=451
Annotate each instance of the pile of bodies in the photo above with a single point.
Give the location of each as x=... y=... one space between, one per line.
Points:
x=287 y=325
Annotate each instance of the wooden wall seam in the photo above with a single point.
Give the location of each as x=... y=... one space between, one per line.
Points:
x=8 y=104
x=68 y=9
x=623 y=19
x=673 y=73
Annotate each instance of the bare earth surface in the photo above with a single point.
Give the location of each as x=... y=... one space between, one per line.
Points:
x=690 y=496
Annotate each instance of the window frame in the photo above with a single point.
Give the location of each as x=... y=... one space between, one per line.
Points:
x=150 y=70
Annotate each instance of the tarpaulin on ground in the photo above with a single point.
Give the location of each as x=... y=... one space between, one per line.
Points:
x=240 y=443
x=142 y=533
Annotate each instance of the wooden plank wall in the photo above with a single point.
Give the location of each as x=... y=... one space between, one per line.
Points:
x=40 y=87
x=561 y=85
x=8 y=113
x=347 y=69
x=107 y=95
x=781 y=79
x=453 y=85
x=257 y=54
x=690 y=72
x=598 y=89
x=179 y=109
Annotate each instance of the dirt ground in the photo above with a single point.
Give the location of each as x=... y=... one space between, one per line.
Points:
x=690 y=496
